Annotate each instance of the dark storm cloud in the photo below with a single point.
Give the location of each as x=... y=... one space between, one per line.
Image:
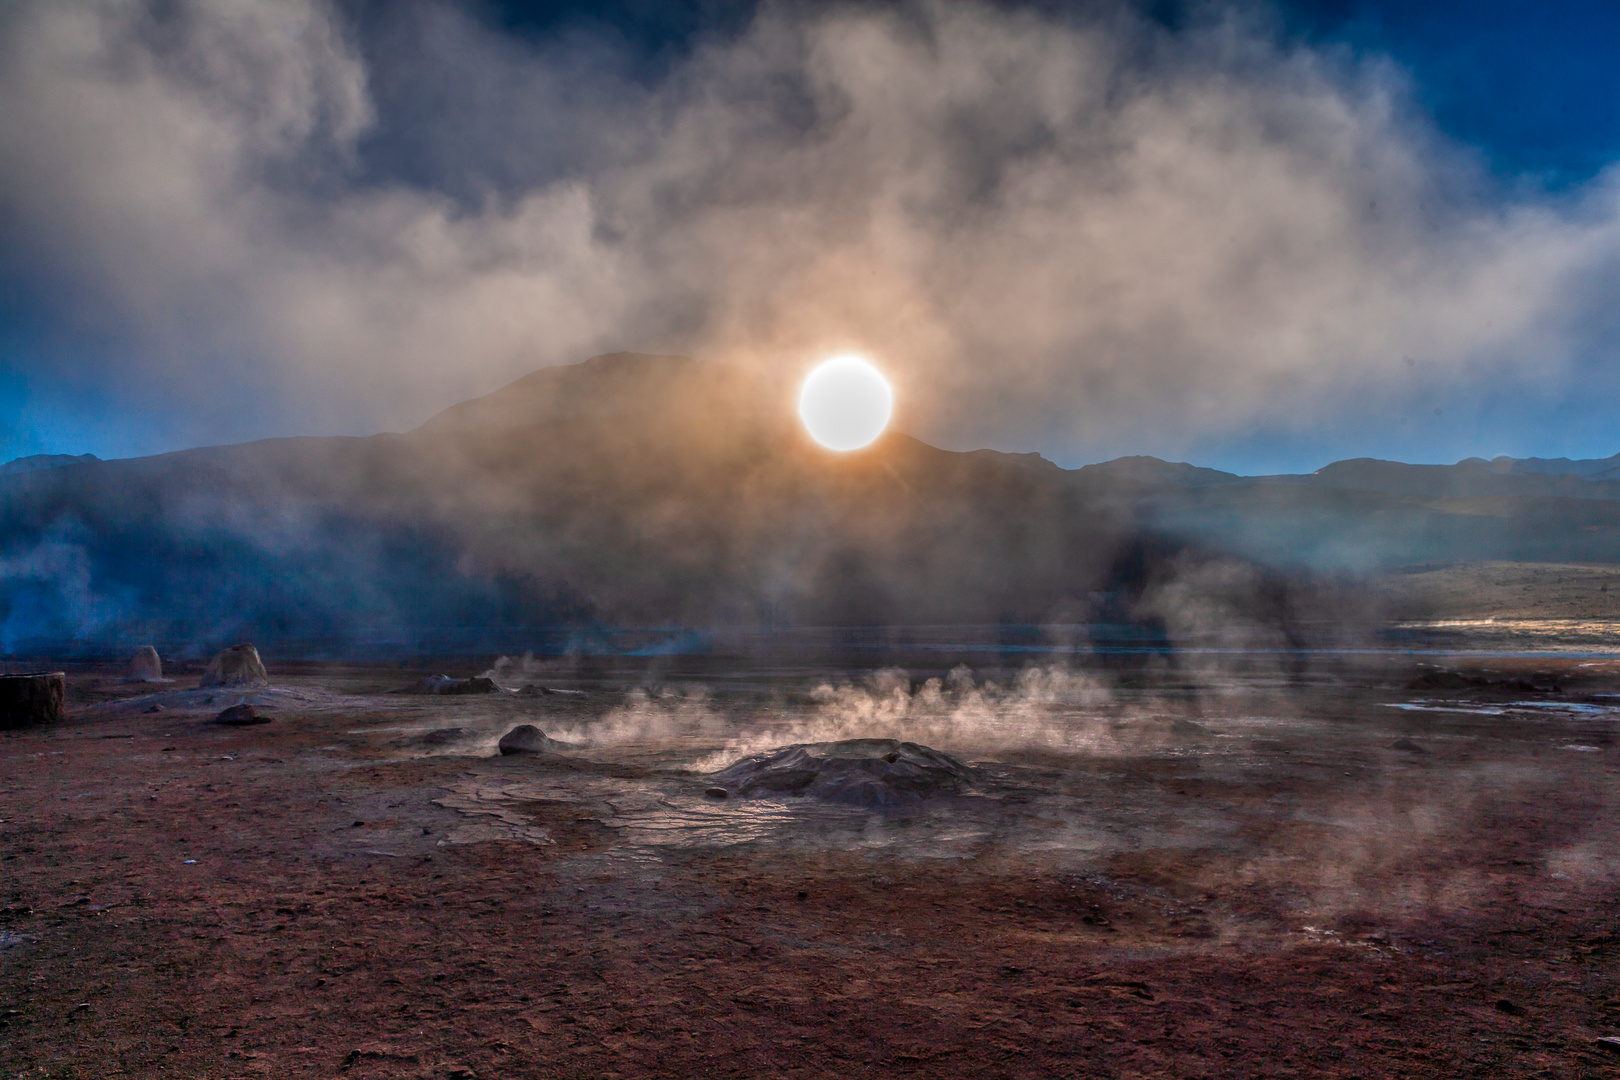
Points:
x=1056 y=234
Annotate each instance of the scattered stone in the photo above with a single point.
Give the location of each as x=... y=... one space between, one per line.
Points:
x=444 y=684
x=1404 y=743
x=243 y=715
x=238 y=665
x=147 y=666
x=859 y=772
x=35 y=698
x=528 y=739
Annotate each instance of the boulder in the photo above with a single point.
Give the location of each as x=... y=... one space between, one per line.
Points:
x=147 y=666
x=238 y=665
x=35 y=698
x=243 y=715
x=858 y=772
x=528 y=739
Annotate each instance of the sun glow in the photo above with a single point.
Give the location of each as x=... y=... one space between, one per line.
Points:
x=845 y=403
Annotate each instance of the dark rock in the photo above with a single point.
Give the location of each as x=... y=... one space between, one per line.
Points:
x=238 y=665
x=34 y=698
x=444 y=684
x=528 y=739
x=1404 y=743
x=1456 y=680
x=861 y=772
x=243 y=715
x=716 y=792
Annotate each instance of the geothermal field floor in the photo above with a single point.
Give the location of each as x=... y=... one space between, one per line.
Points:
x=1371 y=865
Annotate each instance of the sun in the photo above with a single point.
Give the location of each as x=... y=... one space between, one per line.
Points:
x=845 y=403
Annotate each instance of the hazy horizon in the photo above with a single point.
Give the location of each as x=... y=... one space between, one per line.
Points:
x=1001 y=449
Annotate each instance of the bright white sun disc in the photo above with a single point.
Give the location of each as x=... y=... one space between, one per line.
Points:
x=846 y=403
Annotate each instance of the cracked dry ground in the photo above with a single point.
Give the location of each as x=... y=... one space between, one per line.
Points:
x=323 y=930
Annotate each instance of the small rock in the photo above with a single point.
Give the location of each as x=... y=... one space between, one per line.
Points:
x=1503 y=1005
x=242 y=715
x=1610 y=1043
x=154 y=708
x=1404 y=743
x=716 y=792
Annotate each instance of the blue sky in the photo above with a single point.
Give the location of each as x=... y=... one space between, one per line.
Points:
x=147 y=304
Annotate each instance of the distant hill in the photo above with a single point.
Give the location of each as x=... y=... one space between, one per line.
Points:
x=44 y=461
x=1152 y=472
x=1592 y=468
x=1472 y=478
x=664 y=491
x=628 y=489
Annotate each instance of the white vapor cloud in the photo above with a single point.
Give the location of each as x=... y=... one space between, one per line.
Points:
x=1056 y=235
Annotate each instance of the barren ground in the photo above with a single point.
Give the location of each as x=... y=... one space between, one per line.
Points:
x=1165 y=873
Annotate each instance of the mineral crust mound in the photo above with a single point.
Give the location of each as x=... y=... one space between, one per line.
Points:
x=147 y=666
x=853 y=772
x=238 y=665
x=528 y=739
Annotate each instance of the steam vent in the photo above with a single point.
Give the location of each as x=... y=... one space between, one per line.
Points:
x=855 y=772
x=31 y=699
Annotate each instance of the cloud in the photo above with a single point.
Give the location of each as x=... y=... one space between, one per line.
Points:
x=1071 y=235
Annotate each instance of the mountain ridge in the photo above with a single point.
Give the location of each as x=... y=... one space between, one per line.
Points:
x=637 y=489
